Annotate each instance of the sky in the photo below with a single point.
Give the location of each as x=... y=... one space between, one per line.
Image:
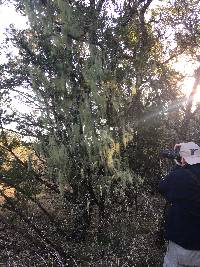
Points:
x=9 y=16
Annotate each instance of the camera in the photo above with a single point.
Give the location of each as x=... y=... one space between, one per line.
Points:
x=171 y=154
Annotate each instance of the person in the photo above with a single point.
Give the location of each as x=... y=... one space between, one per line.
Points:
x=181 y=188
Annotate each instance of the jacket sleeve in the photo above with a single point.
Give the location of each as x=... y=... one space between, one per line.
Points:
x=174 y=186
x=164 y=186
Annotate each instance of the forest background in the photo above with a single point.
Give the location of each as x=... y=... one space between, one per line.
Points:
x=79 y=172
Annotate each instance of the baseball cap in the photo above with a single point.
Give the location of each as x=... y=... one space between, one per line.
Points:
x=190 y=152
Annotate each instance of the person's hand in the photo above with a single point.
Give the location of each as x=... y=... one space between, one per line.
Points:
x=176 y=146
x=176 y=161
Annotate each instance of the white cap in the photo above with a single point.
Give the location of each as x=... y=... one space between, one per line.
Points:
x=190 y=152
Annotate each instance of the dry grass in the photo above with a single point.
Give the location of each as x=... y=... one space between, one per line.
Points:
x=126 y=240
x=8 y=191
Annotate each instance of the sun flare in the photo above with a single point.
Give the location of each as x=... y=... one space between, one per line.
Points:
x=187 y=67
x=187 y=89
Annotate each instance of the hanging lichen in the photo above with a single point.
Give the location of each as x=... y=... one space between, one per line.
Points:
x=75 y=88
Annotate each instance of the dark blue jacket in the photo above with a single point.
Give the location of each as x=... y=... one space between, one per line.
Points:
x=183 y=217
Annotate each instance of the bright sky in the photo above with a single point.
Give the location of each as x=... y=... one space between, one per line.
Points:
x=9 y=16
x=187 y=68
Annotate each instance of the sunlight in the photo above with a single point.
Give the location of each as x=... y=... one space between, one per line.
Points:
x=187 y=68
x=187 y=85
x=187 y=88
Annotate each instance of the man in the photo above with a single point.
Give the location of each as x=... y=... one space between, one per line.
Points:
x=181 y=188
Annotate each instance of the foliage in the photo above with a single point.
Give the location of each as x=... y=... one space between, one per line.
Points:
x=105 y=99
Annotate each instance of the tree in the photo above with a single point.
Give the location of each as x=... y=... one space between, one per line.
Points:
x=102 y=87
